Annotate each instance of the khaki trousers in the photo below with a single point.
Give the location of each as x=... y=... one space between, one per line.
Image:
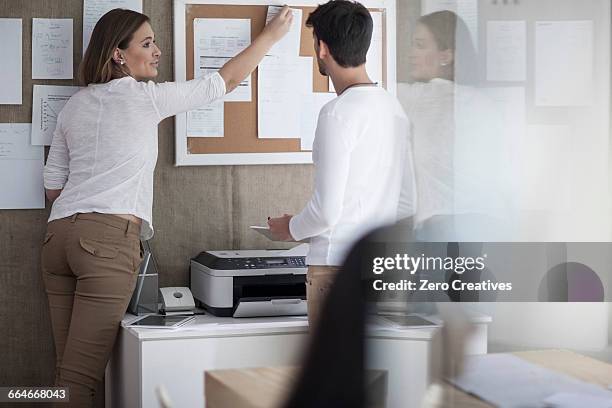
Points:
x=89 y=268
x=319 y=280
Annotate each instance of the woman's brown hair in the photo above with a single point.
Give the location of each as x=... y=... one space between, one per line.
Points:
x=451 y=33
x=114 y=30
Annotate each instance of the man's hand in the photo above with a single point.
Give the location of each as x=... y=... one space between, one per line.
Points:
x=280 y=227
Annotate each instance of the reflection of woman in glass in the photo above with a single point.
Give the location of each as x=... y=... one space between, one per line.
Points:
x=451 y=128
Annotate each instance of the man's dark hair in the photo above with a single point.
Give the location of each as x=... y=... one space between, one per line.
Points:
x=346 y=27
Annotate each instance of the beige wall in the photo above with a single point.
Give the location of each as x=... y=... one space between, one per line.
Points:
x=195 y=208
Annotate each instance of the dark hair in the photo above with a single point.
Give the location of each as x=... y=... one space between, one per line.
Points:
x=451 y=33
x=346 y=27
x=115 y=29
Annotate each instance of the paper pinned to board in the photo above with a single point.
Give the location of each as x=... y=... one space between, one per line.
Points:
x=47 y=102
x=312 y=103
x=21 y=168
x=207 y=121
x=374 y=57
x=507 y=50
x=216 y=41
x=564 y=63
x=289 y=45
x=10 y=69
x=281 y=82
x=52 y=48
x=94 y=9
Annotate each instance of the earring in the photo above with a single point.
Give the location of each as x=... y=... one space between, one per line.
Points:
x=122 y=62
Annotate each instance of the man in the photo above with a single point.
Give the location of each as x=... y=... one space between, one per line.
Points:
x=359 y=152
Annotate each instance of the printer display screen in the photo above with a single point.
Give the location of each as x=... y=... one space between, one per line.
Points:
x=275 y=261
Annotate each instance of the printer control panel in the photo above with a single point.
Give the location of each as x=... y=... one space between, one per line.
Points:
x=237 y=263
x=267 y=263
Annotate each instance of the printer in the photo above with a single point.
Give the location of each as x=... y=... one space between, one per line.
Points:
x=251 y=283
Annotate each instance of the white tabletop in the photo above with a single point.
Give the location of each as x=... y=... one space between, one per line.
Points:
x=213 y=326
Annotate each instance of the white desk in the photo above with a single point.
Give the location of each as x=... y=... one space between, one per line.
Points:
x=145 y=358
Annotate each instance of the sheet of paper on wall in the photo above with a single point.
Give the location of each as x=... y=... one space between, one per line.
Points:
x=289 y=45
x=466 y=9
x=564 y=63
x=21 y=168
x=47 y=102
x=506 y=50
x=94 y=9
x=374 y=58
x=280 y=84
x=312 y=104
x=52 y=48
x=10 y=68
x=216 y=41
x=206 y=121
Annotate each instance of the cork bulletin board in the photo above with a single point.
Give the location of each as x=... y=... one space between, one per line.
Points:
x=240 y=144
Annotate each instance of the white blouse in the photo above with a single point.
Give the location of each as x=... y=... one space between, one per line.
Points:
x=104 y=148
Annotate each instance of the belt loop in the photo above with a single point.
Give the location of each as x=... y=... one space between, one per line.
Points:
x=74 y=217
x=127 y=227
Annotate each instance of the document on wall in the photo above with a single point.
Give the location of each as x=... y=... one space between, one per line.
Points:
x=466 y=9
x=281 y=82
x=506 y=50
x=52 y=48
x=564 y=63
x=21 y=168
x=10 y=68
x=374 y=57
x=216 y=41
x=312 y=104
x=94 y=9
x=207 y=121
x=47 y=102
x=289 y=45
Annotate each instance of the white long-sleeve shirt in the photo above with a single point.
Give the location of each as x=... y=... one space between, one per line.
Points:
x=104 y=147
x=359 y=153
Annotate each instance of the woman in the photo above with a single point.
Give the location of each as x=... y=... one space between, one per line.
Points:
x=99 y=176
x=455 y=130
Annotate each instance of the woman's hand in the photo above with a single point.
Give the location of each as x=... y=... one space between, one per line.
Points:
x=239 y=67
x=279 y=25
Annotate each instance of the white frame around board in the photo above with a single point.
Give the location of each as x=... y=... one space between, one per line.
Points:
x=184 y=158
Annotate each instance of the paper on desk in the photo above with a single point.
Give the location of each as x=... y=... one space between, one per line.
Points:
x=94 y=9
x=564 y=63
x=289 y=45
x=10 y=68
x=47 y=102
x=569 y=400
x=312 y=103
x=216 y=41
x=281 y=82
x=207 y=121
x=509 y=381
x=52 y=48
x=21 y=168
